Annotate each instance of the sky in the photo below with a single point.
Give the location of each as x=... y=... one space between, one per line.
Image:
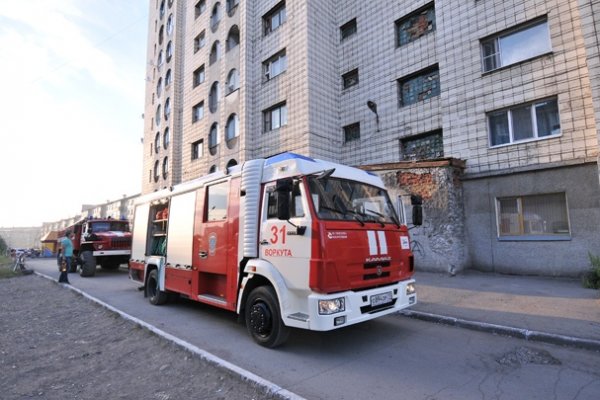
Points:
x=72 y=76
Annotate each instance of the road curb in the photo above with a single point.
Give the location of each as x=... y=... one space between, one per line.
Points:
x=520 y=333
x=270 y=387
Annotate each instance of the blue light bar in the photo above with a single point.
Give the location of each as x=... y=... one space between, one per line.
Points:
x=286 y=156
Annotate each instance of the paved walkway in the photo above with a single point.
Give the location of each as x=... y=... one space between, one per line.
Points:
x=553 y=310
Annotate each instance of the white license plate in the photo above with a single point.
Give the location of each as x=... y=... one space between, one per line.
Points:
x=382 y=298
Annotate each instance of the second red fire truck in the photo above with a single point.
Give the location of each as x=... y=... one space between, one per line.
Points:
x=286 y=242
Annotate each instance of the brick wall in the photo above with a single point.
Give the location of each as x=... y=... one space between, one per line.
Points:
x=440 y=243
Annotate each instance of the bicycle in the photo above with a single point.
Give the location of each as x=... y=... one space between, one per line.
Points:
x=19 y=265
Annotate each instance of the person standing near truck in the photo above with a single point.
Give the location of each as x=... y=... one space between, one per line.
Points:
x=67 y=253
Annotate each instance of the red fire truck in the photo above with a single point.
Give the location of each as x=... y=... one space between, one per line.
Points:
x=104 y=241
x=286 y=242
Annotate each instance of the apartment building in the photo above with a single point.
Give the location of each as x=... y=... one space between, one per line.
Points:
x=511 y=88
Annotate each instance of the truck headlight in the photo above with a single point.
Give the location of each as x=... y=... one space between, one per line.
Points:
x=100 y=246
x=410 y=289
x=327 y=307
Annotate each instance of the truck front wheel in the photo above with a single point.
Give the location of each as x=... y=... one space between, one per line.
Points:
x=154 y=294
x=88 y=264
x=263 y=318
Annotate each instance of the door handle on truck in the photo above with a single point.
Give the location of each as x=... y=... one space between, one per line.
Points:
x=264 y=242
x=203 y=254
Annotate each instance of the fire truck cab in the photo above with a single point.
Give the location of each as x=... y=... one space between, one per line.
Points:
x=286 y=242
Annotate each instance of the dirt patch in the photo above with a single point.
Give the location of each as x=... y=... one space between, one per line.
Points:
x=58 y=345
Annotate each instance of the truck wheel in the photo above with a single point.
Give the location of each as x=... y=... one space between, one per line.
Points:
x=154 y=294
x=88 y=264
x=110 y=264
x=263 y=318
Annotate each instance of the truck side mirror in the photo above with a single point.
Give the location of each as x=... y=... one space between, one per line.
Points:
x=417 y=210
x=283 y=188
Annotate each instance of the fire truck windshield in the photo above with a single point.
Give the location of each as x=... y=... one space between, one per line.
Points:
x=105 y=226
x=342 y=199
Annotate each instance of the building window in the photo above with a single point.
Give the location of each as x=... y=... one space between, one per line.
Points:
x=165 y=167
x=199 y=41
x=415 y=25
x=274 y=18
x=275 y=65
x=169 y=51
x=348 y=29
x=213 y=97
x=215 y=53
x=524 y=122
x=518 y=44
x=275 y=117
x=161 y=35
x=352 y=132
x=197 y=149
x=232 y=129
x=168 y=78
x=232 y=6
x=215 y=17
x=537 y=215
x=233 y=38
x=420 y=86
x=156 y=171
x=233 y=81
x=199 y=75
x=159 y=87
x=167 y=111
x=199 y=8
x=350 y=79
x=422 y=147
x=231 y=163
x=160 y=60
x=213 y=168
x=157 y=115
x=162 y=9
x=213 y=136
x=166 y=138
x=170 y=24
x=157 y=142
x=198 y=112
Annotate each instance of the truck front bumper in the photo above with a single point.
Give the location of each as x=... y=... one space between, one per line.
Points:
x=358 y=306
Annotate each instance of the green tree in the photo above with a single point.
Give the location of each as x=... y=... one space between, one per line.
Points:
x=3 y=246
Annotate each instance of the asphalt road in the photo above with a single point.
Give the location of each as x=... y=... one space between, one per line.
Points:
x=393 y=357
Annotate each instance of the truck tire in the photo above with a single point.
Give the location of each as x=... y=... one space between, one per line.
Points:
x=154 y=294
x=88 y=264
x=263 y=318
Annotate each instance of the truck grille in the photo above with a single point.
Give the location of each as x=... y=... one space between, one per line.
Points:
x=376 y=270
x=120 y=243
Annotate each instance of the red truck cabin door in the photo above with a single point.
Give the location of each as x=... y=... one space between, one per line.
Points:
x=215 y=244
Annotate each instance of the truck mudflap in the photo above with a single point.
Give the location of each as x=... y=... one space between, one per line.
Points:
x=328 y=312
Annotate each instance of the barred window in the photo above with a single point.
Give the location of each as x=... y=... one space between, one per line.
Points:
x=415 y=25
x=352 y=132
x=530 y=216
x=420 y=86
x=421 y=147
x=348 y=29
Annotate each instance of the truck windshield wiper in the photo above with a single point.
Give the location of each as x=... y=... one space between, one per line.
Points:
x=375 y=213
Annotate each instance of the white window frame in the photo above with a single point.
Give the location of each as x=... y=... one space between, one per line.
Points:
x=511 y=133
x=495 y=44
x=275 y=65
